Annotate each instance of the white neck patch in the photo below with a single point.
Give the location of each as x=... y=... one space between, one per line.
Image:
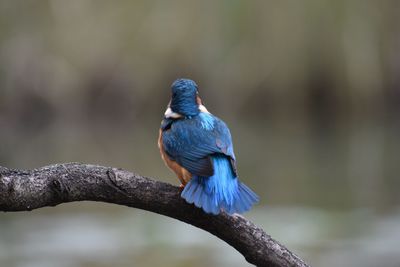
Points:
x=203 y=109
x=174 y=115
x=170 y=114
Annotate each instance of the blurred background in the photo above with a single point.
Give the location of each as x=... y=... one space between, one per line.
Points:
x=310 y=90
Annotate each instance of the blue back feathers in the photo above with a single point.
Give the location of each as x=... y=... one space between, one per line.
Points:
x=191 y=141
x=207 y=121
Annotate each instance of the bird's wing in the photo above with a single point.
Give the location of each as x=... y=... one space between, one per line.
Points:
x=189 y=143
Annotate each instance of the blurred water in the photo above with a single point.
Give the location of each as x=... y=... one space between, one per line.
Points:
x=85 y=234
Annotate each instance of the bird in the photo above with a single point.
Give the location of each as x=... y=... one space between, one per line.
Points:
x=197 y=147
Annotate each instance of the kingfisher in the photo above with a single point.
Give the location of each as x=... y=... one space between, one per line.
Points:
x=197 y=146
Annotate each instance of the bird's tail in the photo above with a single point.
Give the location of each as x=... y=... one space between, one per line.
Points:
x=223 y=190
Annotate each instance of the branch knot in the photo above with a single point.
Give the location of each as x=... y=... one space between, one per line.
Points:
x=60 y=189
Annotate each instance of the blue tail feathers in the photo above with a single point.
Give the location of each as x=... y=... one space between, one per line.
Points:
x=223 y=190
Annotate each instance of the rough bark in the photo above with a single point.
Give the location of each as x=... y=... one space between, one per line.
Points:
x=24 y=190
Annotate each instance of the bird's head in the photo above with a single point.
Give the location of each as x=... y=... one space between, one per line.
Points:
x=185 y=100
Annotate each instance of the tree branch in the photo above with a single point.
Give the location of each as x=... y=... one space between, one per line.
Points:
x=22 y=190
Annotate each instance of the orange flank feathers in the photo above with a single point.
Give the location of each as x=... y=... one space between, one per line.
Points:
x=183 y=175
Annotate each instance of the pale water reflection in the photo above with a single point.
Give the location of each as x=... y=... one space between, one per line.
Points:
x=115 y=236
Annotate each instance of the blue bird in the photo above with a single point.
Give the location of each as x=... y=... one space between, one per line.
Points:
x=197 y=146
